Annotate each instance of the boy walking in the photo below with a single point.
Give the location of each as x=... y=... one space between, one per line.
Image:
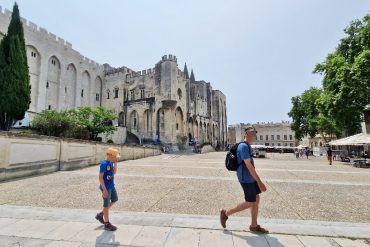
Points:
x=249 y=181
x=108 y=168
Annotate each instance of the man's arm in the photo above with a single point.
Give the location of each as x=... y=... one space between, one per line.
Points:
x=254 y=174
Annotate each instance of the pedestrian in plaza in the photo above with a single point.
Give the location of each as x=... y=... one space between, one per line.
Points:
x=108 y=168
x=329 y=155
x=249 y=181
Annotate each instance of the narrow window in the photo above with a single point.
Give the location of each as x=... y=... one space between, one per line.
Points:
x=142 y=93
x=116 y=93
x=82 y=93
x=47 y=84
x=49 y=108
x=97 y=97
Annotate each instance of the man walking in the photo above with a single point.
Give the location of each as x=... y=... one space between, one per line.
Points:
x=250 y=182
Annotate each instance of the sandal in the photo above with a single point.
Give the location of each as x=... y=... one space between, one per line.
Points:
x=258 y=229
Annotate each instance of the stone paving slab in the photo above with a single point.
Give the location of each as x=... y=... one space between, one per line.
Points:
x=62 y=224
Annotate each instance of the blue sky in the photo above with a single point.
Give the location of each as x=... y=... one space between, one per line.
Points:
x=260 y=53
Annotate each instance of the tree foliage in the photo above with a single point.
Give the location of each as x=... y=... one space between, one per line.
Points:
x=338 y=108
x=81 y=123
x=307 y=117
x=53 y=123
x=95 y=120
x=15 y=91
x=346 y=82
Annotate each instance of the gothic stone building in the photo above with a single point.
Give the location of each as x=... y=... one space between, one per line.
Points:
x=162 y=103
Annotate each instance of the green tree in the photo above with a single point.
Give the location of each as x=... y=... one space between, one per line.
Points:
x=346 y=82
x=95 y=120
x=53 y=123
x=308 y=117
x=15 y=91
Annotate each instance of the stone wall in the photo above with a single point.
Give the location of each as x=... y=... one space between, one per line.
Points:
x=22 y=156
x=61 y=78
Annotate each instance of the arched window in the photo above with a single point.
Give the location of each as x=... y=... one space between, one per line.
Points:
x=116 y=92
x=108 y=91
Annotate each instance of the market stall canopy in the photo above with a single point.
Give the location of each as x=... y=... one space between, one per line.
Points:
x=359 y=139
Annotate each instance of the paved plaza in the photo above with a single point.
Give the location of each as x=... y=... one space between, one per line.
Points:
x=174 y=200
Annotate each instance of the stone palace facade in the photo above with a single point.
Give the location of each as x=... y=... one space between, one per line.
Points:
x=163 y=102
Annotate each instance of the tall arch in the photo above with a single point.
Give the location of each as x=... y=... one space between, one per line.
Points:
x=147 y=121
x=34 y=64
x=121 y=119
x=179 y=122
x=205 y=132
x=201 y=138
x=53 y=83
x=134 y=121
x=190 y=128
x=70 y=87
x=160 y=122
x=209 y=136
x=196 y=130
x=98 y=91
x=85 y=88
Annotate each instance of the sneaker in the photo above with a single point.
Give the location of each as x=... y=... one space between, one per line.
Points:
x=99 y=217
x=109 y=227
x=223 y=218
x=258 y=229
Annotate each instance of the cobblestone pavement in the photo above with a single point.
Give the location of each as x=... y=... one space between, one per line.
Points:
x=199 y=184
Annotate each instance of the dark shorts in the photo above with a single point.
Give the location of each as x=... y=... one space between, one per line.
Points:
x=112 y=197
x=251 y=190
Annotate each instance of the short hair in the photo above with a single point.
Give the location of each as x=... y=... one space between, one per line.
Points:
x=250 y=129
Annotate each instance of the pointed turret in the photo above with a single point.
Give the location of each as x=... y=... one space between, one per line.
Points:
x=186 y=72
x=192 y=77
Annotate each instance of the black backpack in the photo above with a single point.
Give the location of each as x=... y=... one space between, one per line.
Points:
x=231 y=161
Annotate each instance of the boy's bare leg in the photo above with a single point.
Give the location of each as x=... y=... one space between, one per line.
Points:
x=254 y=211
x=240 y=207
x=107 y=212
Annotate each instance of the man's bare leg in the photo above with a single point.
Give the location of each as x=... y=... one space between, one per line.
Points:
x=240 y=207
x=254 y=211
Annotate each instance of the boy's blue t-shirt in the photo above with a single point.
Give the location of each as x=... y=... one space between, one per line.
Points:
x=244 y=152
x=107 y=168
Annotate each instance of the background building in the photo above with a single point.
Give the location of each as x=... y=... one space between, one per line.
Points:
x=161 y=103
x=269 y=134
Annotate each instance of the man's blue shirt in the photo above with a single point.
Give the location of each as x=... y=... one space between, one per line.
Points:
x=107 y=168
x=244 y=152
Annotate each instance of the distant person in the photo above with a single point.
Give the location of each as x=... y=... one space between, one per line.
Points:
x=108 y=168
x=307 y=152
x=249 y=181
x=329 y=154
x=296 y=152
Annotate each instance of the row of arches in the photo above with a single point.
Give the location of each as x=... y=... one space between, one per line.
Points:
x=202 y=132
x=168 y=125
x=62 y=89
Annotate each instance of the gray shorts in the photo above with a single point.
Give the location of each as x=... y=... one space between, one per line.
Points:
x=112 y=197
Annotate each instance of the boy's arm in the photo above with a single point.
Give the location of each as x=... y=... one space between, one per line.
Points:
x=115 y=166
x=101 y=180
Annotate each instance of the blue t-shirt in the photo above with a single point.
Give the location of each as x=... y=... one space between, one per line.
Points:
x=107 y=168
x=244 y=152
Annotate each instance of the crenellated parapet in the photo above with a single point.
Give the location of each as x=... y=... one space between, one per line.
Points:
x=42 y=33
x=170 y=57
